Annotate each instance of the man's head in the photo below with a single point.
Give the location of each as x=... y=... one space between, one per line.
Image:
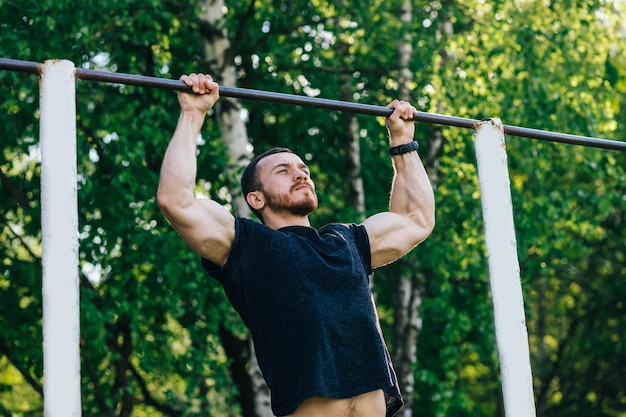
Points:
x=275 y=176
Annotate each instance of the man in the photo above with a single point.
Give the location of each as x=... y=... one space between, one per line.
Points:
x=303 y=293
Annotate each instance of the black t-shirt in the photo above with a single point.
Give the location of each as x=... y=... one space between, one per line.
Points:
x=305 y=296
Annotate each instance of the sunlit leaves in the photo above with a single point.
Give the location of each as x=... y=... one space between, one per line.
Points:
x=544 y=64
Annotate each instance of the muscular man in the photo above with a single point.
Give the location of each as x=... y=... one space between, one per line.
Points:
x=303 y=292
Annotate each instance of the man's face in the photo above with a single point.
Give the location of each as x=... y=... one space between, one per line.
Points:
x=286 y=184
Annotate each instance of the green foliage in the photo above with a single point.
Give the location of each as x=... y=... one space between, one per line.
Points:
x=150 y=317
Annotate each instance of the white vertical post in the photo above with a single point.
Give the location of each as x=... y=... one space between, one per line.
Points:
x=59 y=227
x=504 y=271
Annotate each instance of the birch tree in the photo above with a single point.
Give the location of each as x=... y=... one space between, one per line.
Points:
x=159 y=337
x=407 y=320
x=231 y=121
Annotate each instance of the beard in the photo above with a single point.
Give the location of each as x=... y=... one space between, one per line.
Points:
x=303 y=206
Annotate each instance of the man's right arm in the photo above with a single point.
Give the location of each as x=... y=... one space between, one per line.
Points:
x=206 y=226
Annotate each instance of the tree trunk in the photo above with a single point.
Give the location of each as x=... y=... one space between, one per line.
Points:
x=235 y=138
x=407 y=323
x=407 y=327
x=352 y=150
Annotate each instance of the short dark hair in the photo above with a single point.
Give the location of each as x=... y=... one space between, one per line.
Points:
x=250 y=177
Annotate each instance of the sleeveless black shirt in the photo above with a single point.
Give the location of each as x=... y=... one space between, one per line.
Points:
x=305 y=296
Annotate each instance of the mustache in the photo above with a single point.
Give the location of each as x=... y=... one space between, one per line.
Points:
x=303 y=184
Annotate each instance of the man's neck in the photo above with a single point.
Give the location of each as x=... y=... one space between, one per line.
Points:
x=279 y=221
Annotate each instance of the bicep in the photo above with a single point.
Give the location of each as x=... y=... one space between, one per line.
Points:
x=392 y=236
x=206 y=227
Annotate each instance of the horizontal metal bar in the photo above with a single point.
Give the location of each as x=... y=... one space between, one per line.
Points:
x=21 y=66
x=246 y=93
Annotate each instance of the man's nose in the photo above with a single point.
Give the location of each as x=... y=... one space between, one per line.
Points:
x=301 y=174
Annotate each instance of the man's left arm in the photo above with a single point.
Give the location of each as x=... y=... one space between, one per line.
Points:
x=411 y=215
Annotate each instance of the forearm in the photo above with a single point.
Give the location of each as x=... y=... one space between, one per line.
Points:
x=411 y=191
x=179 y=168
x=411 y=216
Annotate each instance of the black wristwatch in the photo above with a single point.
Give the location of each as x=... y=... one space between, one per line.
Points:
x=404 y=148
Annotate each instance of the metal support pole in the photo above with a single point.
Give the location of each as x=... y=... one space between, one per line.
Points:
x=504 y=271
x=59 y=227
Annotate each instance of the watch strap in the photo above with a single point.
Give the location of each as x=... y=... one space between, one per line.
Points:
x=404 y=148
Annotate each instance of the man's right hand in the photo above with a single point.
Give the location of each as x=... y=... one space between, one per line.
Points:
x=206 y=93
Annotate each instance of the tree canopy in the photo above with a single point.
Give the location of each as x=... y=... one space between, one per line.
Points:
x=158 y=335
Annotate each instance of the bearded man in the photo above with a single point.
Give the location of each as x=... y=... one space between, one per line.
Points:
x=304 y=293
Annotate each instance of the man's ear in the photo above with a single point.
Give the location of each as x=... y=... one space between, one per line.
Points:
x=256 y=200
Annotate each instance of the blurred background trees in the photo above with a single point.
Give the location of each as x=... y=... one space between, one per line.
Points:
x=158 y=336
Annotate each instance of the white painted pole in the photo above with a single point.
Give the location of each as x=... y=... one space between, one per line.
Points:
x=59 y=227
x=504 y=271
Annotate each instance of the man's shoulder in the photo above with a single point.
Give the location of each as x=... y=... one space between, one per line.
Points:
x=340 y=228
x=347 y=231
x=244 y=222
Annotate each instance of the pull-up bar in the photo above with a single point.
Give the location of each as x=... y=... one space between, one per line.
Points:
x=244 y=93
